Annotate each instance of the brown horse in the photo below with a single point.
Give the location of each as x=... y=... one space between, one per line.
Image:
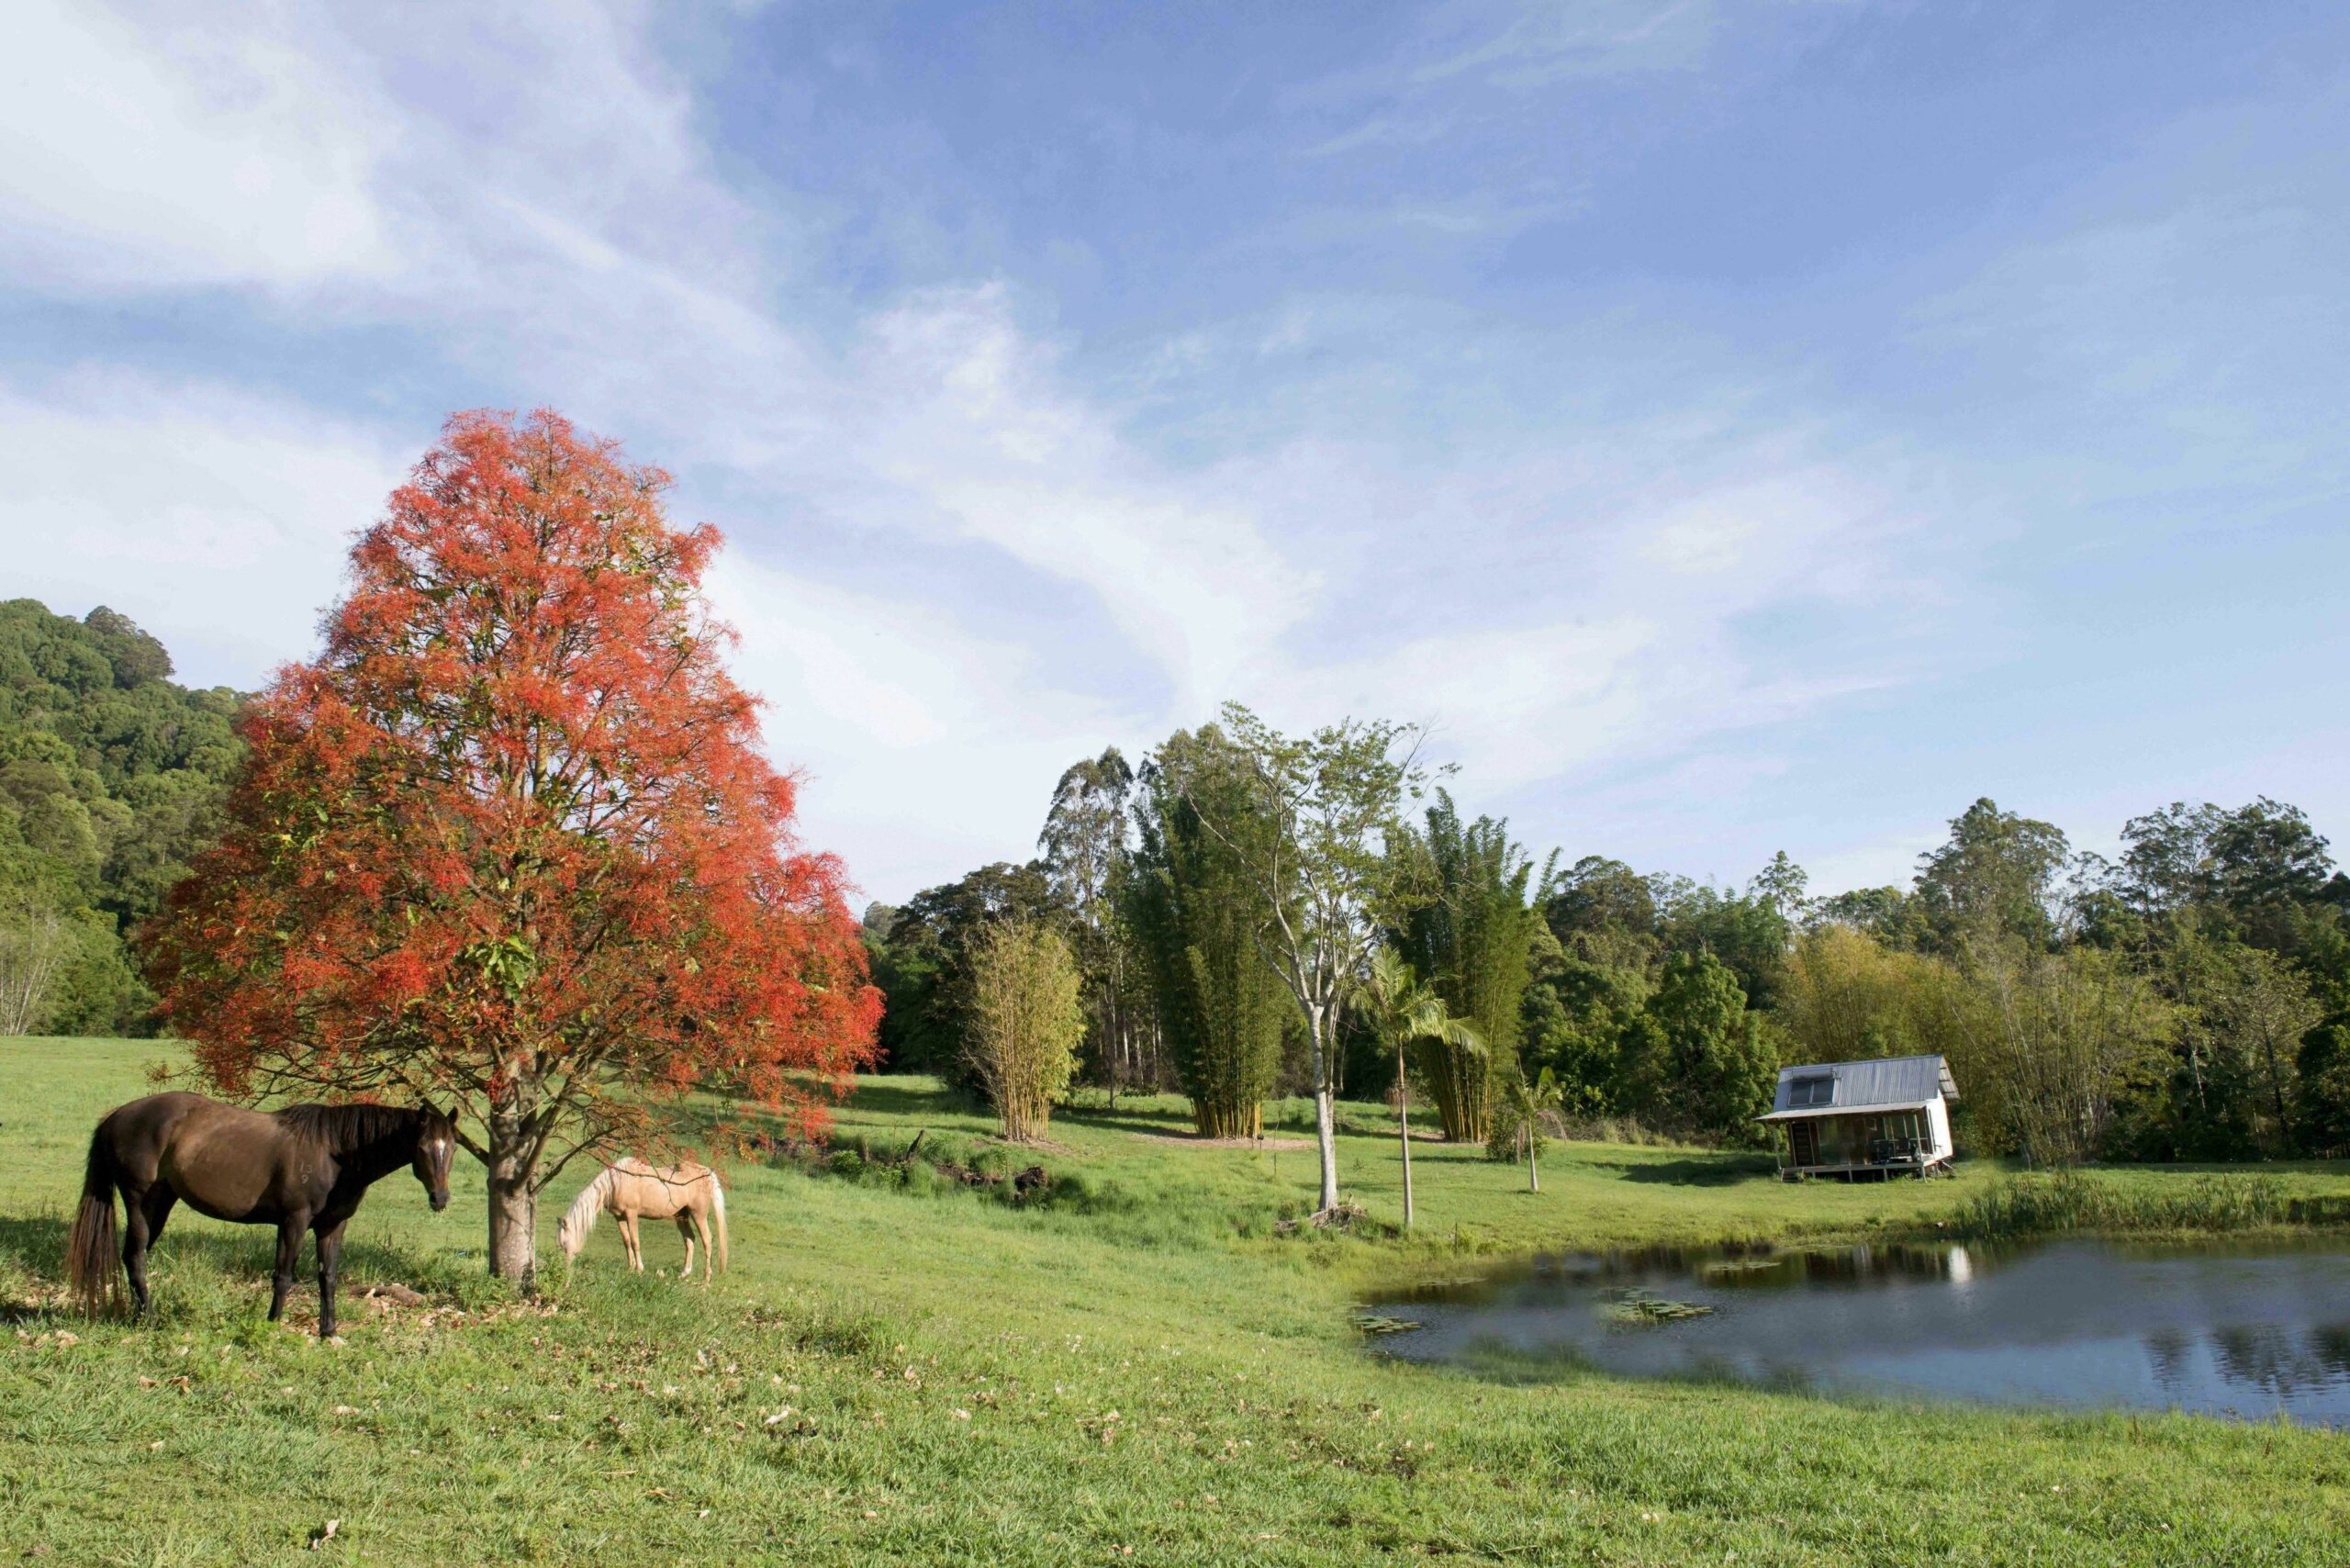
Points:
x=629 y=1190
x=304 y=1167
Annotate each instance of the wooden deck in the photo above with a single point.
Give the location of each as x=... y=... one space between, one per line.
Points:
x=1919 y=1170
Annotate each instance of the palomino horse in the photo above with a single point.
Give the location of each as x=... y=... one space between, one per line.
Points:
x=632 y=1189
x=304 y=1167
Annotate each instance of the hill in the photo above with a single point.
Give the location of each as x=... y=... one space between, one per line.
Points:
x=110 y=775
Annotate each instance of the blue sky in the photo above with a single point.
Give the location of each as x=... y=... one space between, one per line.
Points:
x=1731 y=426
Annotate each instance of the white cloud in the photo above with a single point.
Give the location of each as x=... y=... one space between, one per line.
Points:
x=217 y=519
x=970 y=421
x=564 y=238
x=920 y=743
x=133 y=155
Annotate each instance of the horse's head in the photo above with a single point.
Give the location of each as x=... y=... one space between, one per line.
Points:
x=569 y=1236
x=436 y=1144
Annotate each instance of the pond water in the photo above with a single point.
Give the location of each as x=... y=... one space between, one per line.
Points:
x=2075 y=1323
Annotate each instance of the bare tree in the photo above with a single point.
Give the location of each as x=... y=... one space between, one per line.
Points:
x=34 y=945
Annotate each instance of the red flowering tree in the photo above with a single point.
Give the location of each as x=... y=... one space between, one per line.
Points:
x=512 y=842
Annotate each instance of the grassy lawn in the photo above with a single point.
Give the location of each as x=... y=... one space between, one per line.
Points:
x=1148 y=1373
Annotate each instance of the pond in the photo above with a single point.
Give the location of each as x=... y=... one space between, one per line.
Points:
x=2074 y=1323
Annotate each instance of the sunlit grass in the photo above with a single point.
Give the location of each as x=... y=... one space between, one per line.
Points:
x=911 y=1370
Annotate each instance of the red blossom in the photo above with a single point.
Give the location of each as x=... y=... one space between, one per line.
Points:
x=512 y=839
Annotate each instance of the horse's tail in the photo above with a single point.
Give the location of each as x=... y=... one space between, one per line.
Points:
x=718 y=1216
x=91 y=1265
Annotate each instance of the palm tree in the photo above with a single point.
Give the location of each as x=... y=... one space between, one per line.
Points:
x=1404 y=1009
x=1529 y=1101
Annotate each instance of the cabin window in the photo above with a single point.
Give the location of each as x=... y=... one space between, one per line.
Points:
x=1816 y=1090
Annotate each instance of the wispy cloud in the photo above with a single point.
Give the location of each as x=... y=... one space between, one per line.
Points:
x=136 y=155
x=1469 y=61
x=217 y=517
x=976 y=531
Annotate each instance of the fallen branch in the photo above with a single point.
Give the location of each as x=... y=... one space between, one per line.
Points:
x=399 y=1294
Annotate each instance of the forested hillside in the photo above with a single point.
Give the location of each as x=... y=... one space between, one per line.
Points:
x=110 y=775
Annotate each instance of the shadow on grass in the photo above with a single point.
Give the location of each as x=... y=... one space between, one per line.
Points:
x=32 y=1249
x=1159 y=1122
x=1716 y=1170
x=903 y=1100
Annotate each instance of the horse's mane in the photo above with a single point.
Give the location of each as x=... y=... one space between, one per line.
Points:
x=580 y=1218
x=348 y=1126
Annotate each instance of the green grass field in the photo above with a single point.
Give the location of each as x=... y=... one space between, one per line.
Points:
x=1147 y=1373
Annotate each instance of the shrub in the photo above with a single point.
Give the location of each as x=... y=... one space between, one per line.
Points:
x=1027 y=1017
x=2038 y=1205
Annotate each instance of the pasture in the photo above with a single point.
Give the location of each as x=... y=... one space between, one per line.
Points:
x=1139 y=1367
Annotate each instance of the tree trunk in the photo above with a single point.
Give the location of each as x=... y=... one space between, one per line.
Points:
x=2276 y=1090
x=1457 y=1080
x=1326 y=1123
x=1403 y=1128
x=513 y=1205
x=1228 y=1118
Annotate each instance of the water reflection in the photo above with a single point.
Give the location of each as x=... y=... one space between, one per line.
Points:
x=2077 y=1323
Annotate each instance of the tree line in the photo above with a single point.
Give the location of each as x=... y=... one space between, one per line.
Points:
x=111 y=778
x=1238 y=915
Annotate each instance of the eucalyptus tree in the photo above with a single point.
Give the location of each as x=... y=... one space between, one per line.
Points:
x=1404 y=1011
x=1309 y=832
x=1995 y=875
x=1783 y=887
x=1087 y=842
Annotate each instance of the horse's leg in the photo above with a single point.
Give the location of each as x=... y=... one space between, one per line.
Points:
x=685 y=1229
x=290 y=1249
x=138 y=1234
x=152 y=1208
x=330 y=1261
x=161 y=1199
x=708 y=1252
x=628 y=1243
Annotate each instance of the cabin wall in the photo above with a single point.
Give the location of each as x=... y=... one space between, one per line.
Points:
x=1937 y=1119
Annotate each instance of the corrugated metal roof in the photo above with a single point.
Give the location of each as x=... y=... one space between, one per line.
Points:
x=1800 y=1112
x=1891 y=1082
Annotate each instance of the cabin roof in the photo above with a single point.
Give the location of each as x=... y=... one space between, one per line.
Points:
x=1882 y=1083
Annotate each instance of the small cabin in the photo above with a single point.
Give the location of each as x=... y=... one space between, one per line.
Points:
x=1854 y=1119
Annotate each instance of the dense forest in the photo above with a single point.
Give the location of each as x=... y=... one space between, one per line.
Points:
x=2188 y=1000
x=110 y=775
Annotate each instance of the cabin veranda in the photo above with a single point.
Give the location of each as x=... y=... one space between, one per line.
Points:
x=1880 y=1118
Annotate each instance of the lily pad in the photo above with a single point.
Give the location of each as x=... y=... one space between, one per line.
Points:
x=1642 y=1309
